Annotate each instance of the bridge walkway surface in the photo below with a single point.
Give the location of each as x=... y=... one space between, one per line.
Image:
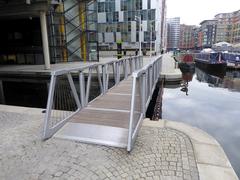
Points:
x=105 y=120
x=113 y=118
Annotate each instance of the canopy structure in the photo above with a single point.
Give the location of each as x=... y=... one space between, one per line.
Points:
x=222 y=44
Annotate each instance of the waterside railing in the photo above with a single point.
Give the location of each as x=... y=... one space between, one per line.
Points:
x=69 y=89
x=144 y=82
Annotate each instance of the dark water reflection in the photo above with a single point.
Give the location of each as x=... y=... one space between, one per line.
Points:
x=212 y=104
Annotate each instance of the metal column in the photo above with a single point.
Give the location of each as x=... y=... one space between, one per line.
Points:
x=2 y=98
x=45 y=39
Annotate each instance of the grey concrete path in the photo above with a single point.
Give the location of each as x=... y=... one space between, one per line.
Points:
x=164 y=150
x=169 y=70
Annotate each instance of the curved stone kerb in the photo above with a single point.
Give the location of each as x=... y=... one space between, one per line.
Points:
x=211 y=159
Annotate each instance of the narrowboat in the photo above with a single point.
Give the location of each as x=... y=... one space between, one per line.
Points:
x=211 y=61
x=232 y=60
x=185 y=61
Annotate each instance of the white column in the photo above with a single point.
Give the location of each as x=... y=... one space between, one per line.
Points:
x=45 y=39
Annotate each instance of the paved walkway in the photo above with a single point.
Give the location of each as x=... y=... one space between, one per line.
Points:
x=169 y=70
x=159 y=153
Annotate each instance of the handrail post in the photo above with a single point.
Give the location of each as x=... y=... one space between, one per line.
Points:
x=82 y=88
x=143 y=95
x=117 y=72
x=129 y=145
x=51 y=91
x=150 y=78
x=125 y=68
x=104 y=78
x=74 y=91
x=99 y=78
x=107 y=76
x=88 y=85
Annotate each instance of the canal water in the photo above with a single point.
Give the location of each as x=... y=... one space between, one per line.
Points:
x=210 y=102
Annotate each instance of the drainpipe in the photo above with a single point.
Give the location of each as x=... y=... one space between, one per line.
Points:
x=45 y=39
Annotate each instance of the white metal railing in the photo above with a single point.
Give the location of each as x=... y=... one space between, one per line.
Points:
x=70 y=89
x=143 y=86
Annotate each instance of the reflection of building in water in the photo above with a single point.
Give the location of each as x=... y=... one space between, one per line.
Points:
x=230 y=81
x=212 y=80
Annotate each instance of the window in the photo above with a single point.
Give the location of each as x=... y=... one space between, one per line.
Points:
x=124 y=37
x=146 y=36
x=151 y=14
x=144 y=15
x=129 y=27
x=109 y=17
x=115 y=17
x=101 y=7
x=110 y=6
x=138 y=4
x=124 y=5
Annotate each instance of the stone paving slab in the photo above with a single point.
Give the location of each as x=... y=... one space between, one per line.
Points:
x=159 y=153
x=169 y=71
x=211 y=159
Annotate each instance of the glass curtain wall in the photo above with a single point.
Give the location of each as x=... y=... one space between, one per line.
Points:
x=130 y=8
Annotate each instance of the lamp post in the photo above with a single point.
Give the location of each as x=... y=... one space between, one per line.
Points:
x=138 y=18
x=151 y=40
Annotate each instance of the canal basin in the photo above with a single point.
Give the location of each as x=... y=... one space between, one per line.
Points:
x=212 y=104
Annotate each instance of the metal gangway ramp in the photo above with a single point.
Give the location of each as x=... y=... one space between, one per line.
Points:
x=113 y=118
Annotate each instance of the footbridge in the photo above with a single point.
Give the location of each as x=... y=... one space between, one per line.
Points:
x=115 y=116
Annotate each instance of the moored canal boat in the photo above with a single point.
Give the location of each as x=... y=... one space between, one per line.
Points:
x=185 y=61
x=212 y=61
x=232 y=60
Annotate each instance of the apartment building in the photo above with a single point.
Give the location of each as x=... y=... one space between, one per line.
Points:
x=228 y=27
x=207 y=33
x=187 y=37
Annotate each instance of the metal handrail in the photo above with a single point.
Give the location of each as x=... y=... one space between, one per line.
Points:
x=64 y=101
x=145 y=79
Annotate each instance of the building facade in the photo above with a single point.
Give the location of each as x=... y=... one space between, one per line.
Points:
x=207 y=33
x=173 y=33
x=187 y=38
x=228 y=27
x=38 y=32
x=118 y=21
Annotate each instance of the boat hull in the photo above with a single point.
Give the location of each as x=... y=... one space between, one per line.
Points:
x=213 y=69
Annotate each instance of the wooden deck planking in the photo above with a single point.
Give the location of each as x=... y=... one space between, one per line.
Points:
x=110 y=101
x=100 y=117
x=122 y=89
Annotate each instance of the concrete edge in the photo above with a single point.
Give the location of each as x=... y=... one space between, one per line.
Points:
x=172 y=76
x=22 y=110
x=211 y=159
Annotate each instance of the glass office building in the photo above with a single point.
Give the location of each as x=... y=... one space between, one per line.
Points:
x=173 y=33
x=117 y=22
